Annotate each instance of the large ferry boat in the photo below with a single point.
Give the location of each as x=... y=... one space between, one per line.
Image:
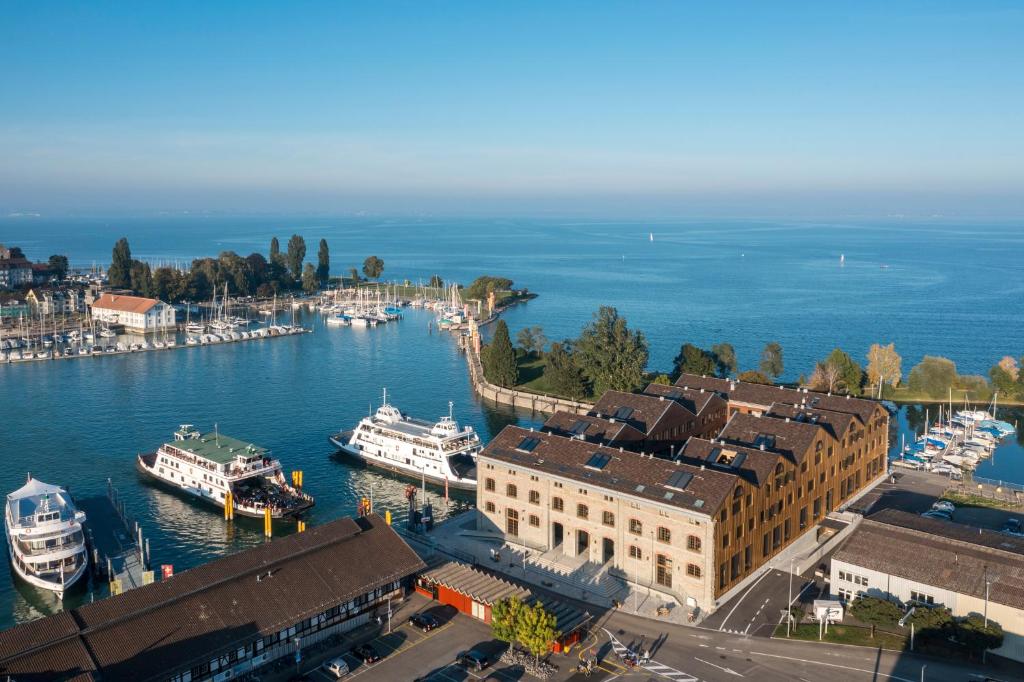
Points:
x=44 y=536
x=211 y=465
x=439 y=451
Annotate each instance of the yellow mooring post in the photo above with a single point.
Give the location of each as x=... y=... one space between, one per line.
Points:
x=302 y=526
x=267 y=528
x=300 y=479
x=229 y=506
x=387 y=517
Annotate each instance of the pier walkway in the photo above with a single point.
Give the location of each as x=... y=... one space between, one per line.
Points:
x=117 y=548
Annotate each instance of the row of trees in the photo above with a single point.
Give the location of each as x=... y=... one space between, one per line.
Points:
x=533 y=627
x=608 y=355
x=252 y=275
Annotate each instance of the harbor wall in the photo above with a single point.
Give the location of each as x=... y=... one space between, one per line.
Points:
x=526 y=400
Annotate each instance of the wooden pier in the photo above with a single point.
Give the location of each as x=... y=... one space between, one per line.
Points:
x=117 y=549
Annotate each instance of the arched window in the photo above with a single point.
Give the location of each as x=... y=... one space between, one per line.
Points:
x=664 y=534
x=635 y=527
x=693 y=543
x=511 y=490
x=693 y=570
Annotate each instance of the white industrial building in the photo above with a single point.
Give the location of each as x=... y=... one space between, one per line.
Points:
x=907 y=558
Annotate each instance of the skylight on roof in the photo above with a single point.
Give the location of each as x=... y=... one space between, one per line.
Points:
x=598 y=461
x=579 y=428
x=528 y=444
x=624 y=412
x=679 y=480
x=765 y=439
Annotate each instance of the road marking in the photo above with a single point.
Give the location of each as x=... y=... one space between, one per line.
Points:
x=659 y=669
x=742 y=597
x=833 y=665
x=800 y=593
x=728 y=670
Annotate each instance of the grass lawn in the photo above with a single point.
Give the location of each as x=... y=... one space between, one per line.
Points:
x=531 y=376
x=977 y=501
x=846 y=634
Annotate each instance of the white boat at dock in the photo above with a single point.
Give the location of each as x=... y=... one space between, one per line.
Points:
x=44 y=536
x=220 y=470
x=439 y=452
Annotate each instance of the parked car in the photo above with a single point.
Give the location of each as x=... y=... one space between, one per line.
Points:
x=944 y=505
x=1013 y=526
x=474 y=658
x=936 y=514
x=366 y=653
x=336 y=668
x=424 y=621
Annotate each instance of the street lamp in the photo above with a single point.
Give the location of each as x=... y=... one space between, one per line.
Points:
x=789 y=604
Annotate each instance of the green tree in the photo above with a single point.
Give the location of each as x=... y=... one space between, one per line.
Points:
x=373 y=267
x=275 y=250
x=611 y=356
x=725 y=359
x=119 y=276
x=505 y=616
x=976 y=636
x=693 y=360
x=436 y=282
x=140 y=278
x=485 y=284
x=875 y=611
x=296 y=254
x=771 y=360
x=851 y=376
x=164 y=284
x=532 y=340
x=931 y=623
x=499 y=358
x=662 y=380
x=884 y=366
x=933 y=376
x=59 y=266
x=323 y=268
x=309 y=279
x=1003 y=381
x=563 y=374
x=353 y=274
x=538 y=628
x=752 y=376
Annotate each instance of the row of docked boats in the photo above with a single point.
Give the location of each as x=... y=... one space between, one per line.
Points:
x=956 y=444
x=363 y=310
x=84 y=350
x=230 y=336
x=45 y=536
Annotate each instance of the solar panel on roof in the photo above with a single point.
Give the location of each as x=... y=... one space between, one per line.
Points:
x=738 y=460
x=679 y=480
x=624 y=412
x=598 y=461
x=528 y=444
x=713 y=457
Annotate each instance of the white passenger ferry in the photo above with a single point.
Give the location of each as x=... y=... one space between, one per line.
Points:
x=210 y=465
x=440 y=451
x=44 y=536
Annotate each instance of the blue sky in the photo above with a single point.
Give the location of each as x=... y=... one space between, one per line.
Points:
x=646 y=108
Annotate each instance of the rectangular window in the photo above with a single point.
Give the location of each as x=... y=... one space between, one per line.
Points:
x=736 y=567
x=489 y=484
x=635 y=527
x=534 y=497
x=664 y=534
x=557 y=504
x=534 y=520
x=607 y=518
x=663 y=574
x=634 y=552
x=922 y=598
x=582 y=511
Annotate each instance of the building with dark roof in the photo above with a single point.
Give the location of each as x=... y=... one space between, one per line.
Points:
x=665 y=415
x=911 y=559
x=226 y=617
x=610 y=432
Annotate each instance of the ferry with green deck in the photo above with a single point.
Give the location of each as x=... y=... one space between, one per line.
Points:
x=209 y=466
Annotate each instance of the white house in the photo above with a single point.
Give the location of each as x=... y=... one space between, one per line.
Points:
x=136 y=313
x=913 y=560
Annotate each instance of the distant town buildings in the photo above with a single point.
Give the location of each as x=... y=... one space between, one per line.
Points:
x=15 y=269
x=223 y=619
x=136 y=313
x=915 y=560
x=682 y=501
x=60 y=301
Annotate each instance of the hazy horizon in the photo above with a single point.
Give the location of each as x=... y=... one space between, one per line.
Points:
x=533 y=109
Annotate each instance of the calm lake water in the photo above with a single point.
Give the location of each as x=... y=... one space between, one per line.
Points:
x=947 y=289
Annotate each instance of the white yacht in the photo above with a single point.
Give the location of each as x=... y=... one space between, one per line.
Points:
x=440 y=451
x=44 y=536
x=217 y=468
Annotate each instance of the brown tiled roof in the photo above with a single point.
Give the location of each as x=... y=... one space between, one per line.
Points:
x=598 y=430
x=764 y=395
x=124 y=304
x=794 y=439
x=147 y=631
x=693 y=399
x=836 y=423
x=756 y=465
x=942 y=554
x=644 y=412
x=625 y=472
